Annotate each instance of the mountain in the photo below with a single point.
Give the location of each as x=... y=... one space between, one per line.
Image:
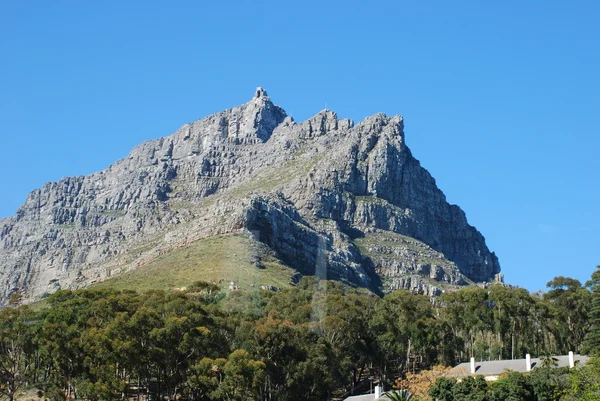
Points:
x=324 y=196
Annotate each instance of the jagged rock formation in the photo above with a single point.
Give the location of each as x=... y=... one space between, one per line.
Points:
x=342 y=200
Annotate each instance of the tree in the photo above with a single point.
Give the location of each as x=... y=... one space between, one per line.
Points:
x=512 y=386
x=131 y=336
x=513 y=310
x=61 y=343
x=591 y=344
x=404 y=326
x=16 y=349
x=420 y=384
x=244 y=377
x=471 y=389
x=204 y=378
x=468 y=313
x=346 y=331
x=442 y=389
x=585 y=382
x=548 y=384
x=570 y=303
x=105 y=374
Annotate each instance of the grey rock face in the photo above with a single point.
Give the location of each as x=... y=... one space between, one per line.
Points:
x=331 y=198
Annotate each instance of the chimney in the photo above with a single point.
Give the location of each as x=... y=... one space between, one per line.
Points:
x=571 y=359
x=528 y=362
x=377 y=392
x=472 y=365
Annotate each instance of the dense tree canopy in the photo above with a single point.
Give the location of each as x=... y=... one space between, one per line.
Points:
x=592 y=340
x=541 y=384
x=314 y=341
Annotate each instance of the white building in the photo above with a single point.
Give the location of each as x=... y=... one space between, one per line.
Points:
x=493 y=369
x=377 y=394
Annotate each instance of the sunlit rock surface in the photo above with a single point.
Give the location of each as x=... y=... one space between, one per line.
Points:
x=346 y=201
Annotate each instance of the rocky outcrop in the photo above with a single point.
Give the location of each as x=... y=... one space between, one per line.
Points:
x=317 y=192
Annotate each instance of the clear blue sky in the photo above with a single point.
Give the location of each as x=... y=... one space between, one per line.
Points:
x=501 y=99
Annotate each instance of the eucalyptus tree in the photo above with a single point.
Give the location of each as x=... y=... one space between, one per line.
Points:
x=570 y=305
x=514 y=314
x=404 y=326
x=16 y=350
x=468 y=313
x=592 y=338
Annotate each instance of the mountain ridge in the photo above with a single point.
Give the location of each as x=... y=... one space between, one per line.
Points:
x=308 y=190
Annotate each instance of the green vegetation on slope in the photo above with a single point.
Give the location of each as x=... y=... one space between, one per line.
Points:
x=219 y=260
x=271 y=178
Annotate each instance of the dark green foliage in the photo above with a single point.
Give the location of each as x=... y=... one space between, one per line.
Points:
x=592 y=340
x=570 y=304
x=513 y=387
x=311 y=342
x=517 y=320
x=404 y=324
x=442 y=389
x=542 y=384
x=548 y=384
x=16 y=349
x=470 y=389
x=584 y=382
x=398 y=395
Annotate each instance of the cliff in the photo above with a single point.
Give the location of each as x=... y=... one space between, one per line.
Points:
x=328 y=197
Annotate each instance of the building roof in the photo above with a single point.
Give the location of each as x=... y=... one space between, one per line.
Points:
x=518 y=365
x=366 y=397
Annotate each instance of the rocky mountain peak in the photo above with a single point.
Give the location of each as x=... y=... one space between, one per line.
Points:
x=254 y=120
x=260 y=93
x=348 y=199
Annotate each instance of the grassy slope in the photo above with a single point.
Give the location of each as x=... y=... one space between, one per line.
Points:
x=219 y=259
